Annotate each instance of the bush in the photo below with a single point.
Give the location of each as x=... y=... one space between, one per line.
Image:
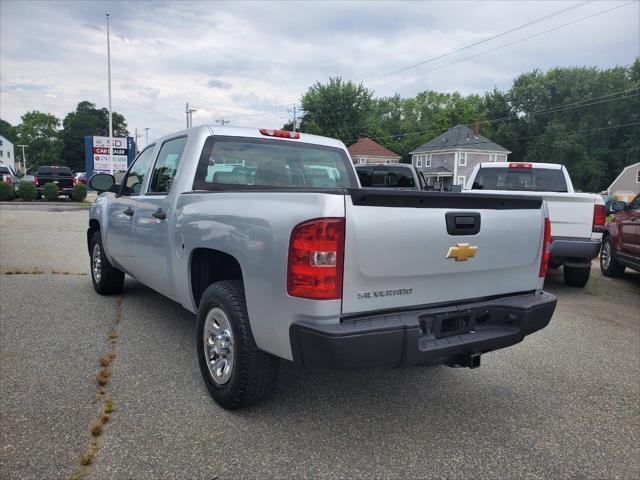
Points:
x=27 y=191
x=50 y=192
x=79 y=192
x=6 y=191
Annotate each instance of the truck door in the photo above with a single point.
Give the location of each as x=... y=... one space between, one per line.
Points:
x=153 y=238
x=122 y=209
x=630 y=229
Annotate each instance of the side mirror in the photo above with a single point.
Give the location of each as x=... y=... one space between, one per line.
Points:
x=102 y=182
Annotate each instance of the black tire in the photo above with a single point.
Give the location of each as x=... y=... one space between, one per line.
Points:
x=254 y=372
x=576 y=277
x=111 y=279
x=613 y=269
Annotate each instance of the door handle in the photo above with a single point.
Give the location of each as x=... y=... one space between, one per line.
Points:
x=128 y=211
x=159 y=214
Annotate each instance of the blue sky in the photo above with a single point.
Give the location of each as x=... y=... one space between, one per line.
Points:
x=249 y=61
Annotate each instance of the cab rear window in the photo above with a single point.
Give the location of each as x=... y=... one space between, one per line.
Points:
x=520 y=179
x=385 y=177
x=246 y=162
x=61 y=171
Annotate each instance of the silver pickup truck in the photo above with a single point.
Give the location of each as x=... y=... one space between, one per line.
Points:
x=267 y=236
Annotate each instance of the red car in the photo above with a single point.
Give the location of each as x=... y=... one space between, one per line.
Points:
x=621 y=241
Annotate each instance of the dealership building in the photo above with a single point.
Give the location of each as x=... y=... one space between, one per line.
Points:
x=6 y=152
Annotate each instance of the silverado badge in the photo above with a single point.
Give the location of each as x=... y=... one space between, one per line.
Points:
x=462 y=252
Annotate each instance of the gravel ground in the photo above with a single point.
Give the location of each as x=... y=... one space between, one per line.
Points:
x=565 y=403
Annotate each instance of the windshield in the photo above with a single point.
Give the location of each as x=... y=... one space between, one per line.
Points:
x=61 y=171
x=385 y=177
x=520 y=179
x=272 y=163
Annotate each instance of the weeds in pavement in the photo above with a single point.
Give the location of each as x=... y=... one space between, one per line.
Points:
x=97 y=427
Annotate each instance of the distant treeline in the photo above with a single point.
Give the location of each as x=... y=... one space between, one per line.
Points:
x=584 y=118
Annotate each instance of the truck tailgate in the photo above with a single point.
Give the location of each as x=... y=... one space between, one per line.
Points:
x=396 y=247
x=571 y=214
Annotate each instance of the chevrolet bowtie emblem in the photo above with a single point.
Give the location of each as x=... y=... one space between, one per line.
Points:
x=462 y=252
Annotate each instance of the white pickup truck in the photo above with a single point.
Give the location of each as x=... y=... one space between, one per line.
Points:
x=267 y=236
x=577 y=219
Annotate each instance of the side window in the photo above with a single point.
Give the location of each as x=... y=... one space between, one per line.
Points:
x=635 y=205
x=134 y=178
x=167 y=165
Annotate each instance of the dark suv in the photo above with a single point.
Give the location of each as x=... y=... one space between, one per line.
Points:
x=621 y=240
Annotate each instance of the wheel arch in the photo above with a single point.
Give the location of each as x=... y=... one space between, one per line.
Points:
x=208 y=266
x=94 y=226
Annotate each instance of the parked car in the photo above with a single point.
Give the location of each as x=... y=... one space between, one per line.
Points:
x=61 y=176
x=7 y=175
x=390 y=175
x=621 y=240
x=577 y=219
x=327 y=275
x=81 y=177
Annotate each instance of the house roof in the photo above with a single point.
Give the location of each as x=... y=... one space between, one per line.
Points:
x=460 y=137
x=366 y=146
x=622 y=173
x=437 y=171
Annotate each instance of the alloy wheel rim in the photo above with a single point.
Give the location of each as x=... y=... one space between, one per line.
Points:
x=605 y=255
x=219 y=351
x=96 y=261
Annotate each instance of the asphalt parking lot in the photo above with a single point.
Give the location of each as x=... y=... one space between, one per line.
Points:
x=565 y=403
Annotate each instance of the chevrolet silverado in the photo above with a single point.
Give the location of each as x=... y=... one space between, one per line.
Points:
x=279 y=260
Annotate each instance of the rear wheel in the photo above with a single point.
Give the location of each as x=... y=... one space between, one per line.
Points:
x=608 y=264
x=106 y=278
x=235 y=371
x=576 y=277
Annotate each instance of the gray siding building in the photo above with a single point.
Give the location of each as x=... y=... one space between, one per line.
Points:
x=450 y=158
x=627 y=185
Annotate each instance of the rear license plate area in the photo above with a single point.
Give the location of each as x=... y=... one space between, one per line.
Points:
x=449 y=325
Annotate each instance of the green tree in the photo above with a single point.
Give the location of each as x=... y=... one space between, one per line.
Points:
x=87 y=120
x=8 y=131
x=40 y=132
x=337 y=109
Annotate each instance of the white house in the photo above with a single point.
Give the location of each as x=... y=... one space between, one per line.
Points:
x=6 y=152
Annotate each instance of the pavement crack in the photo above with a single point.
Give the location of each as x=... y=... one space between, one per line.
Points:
x=104 y=403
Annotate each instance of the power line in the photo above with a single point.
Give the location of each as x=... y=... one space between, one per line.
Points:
x=485 y=40
x=602 y=12
x=544 y=111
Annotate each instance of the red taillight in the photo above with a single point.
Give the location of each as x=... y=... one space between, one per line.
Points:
x=520 y=165
x=35 y=180
x=9 y=179
x=280 y=133
x=316 y=255
x=599 y=218
x=546 y=241
x=74 y=181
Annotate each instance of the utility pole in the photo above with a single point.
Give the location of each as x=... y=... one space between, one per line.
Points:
x=24 y=159
x=110 y=112
x=189 y=113
x=146 y=132
x=222 y=122
x=295 y=117
x=137 y=136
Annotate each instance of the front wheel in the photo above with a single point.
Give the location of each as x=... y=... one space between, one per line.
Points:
x=608 y=264
x=236 y=373
x=576 y=277
x=106 y=278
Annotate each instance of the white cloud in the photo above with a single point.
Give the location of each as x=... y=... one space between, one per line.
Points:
x=250 y=61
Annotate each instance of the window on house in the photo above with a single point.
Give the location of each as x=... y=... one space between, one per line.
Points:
x=462 y=180
x=9 y=154
x=1 y=153
x=492 y=157
x=462 y=159
x=428 y=164
x=418 y=160
x=638 y=176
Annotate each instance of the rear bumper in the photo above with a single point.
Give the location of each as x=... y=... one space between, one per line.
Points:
x=567 y=250
x=414 y=337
